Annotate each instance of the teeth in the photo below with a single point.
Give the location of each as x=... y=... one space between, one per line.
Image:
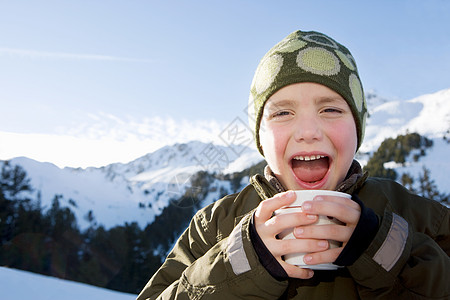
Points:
x=308 y=158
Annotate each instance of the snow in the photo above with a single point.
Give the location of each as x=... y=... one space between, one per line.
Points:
x=435 y=161
x=428 y=115
x=19 y=285
x=434 y=119
x=246 y=160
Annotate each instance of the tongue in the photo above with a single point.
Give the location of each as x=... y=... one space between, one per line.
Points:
x=310 y=171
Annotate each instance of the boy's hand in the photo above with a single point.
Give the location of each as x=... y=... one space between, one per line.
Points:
x=310 y=238
x=269 y=226
x=345 y=210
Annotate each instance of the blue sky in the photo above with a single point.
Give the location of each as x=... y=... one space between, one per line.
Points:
x=86 y=83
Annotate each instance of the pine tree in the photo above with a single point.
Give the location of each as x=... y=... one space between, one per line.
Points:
x=13 y=180
x=408 y=181
x=428 y=189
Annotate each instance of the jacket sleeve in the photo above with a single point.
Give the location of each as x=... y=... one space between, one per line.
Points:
x=407 y=259
x=202 y=265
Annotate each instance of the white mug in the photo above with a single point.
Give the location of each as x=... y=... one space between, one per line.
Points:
x=296 y=206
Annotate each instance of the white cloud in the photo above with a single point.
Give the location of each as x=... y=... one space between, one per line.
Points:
x=64 y=55
x=166 y=130
x=106 y=139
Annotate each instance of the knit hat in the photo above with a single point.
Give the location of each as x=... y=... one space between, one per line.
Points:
x=307 y=57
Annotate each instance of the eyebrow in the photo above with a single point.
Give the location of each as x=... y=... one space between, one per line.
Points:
x=324 y=100
x=283 y=103
x=280 y=103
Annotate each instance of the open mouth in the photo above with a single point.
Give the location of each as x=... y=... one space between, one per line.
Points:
x=310 y=168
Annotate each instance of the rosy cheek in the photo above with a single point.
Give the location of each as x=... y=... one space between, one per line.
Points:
x=344 y=138
x=279 y=140
x=274 y=147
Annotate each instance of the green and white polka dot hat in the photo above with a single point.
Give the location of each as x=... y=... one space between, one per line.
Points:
x=308 y=57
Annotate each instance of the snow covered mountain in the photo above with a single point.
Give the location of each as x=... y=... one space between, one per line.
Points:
x=427 y=115
x=141 y=189
x=136 y=191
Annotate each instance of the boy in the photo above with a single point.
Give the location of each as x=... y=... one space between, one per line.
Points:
x=309 y=107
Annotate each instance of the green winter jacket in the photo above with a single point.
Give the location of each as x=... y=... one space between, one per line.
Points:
x=408 y=258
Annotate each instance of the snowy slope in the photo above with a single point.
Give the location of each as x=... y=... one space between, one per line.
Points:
x=20 y=285
x=428 y=115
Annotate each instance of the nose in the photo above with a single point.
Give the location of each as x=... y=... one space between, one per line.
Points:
x=307 y=129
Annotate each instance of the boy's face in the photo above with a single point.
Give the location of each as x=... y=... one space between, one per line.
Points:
x=308 y=136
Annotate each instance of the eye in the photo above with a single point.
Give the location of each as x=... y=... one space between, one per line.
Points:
x=280 y=114
x=332 y=110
